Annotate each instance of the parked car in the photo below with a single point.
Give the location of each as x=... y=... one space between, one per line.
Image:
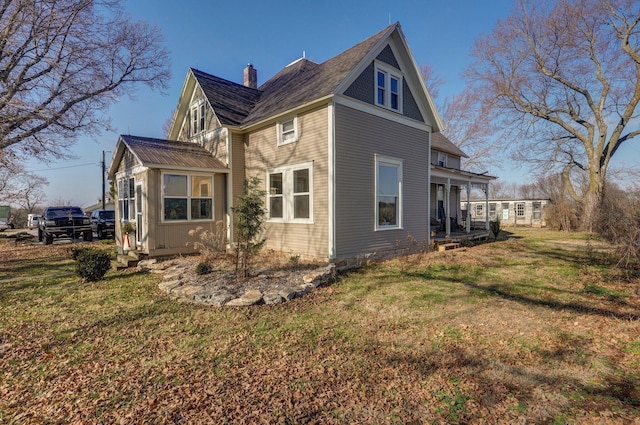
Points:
x=103 y=222
x=64 y=222
x=33 y=221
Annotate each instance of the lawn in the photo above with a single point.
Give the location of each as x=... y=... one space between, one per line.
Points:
x=539 y=328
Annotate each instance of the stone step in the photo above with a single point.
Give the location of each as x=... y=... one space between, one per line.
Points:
x=127 y=261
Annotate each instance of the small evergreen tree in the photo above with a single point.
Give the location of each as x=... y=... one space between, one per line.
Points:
x=249 y=219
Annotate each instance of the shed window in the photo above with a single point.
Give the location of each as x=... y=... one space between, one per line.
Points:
x=126 y=199
x=187 y=197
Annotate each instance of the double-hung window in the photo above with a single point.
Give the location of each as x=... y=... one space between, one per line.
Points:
x=388 y=193
x=388 y=88
x=126 y=199
x=288 y=131
x=537 y=210
x=187 y=197
x=198 y=115
x=290 y=193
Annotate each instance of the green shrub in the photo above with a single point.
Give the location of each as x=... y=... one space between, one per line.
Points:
x=203 y=268
x=92 y=265
x=78 y=250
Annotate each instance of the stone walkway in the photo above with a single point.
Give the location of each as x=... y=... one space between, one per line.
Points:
x=221 y=288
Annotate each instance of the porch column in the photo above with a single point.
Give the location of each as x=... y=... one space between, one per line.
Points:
x=447 y=206
x=486 y=206
x=458 y=207
x=468 y=223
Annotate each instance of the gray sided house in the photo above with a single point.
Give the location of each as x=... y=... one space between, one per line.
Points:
x=343 y=149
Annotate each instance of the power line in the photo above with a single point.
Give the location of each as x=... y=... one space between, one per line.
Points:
x=62 y=168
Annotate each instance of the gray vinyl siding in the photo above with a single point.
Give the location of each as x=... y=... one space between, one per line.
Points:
x=262 y=153
x=363 y=90
x=359 y=136
x=452 y=161
x=387 y=56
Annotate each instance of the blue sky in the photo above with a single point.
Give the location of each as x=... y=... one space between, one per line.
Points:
x=221 y=37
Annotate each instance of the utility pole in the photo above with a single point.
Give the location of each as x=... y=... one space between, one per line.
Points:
x=103 y=177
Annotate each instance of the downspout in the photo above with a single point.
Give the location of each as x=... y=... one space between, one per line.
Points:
x=229 y=188
x=429 y=190
x=331 y=160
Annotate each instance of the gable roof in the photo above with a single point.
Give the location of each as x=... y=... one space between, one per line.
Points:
x=231 y=102
x=304 y=80
x=160 y=153
x=301 y=82
x=440 y=143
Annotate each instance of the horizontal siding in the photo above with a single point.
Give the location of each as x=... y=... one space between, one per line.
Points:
x=262 y=153
x=359 y=136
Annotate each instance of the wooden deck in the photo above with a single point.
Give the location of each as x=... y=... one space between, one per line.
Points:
x=445 y=242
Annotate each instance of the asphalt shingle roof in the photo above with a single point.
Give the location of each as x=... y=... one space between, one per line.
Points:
x=440 y=143
x=167 y=153
x=298 y=83
x=231 y=102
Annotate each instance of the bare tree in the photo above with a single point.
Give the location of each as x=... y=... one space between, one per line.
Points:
x=62 y=63
x=31 y=193
x=8 y=182
x=464 y=118
x=565 y=76
x=466 y=125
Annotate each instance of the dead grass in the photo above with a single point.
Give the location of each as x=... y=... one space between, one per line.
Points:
x=529 y=330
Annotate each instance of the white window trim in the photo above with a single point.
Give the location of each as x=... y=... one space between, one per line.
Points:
x=523 y=209
x=394 y=162
x=200 y=121
x=389 y=72
x=130 y=201
x=287 y=193
x=281 y=123
x=188 y=196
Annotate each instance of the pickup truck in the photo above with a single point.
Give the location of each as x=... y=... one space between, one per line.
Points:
x=64 y=222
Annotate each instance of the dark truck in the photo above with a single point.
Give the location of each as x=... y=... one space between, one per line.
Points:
x=64 y=221
x=103 y=222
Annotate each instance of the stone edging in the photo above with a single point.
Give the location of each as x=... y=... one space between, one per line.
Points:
x=177 y=286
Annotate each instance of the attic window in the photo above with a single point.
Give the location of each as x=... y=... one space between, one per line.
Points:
x=198 y=114
x=388 y=88
x=288 y=131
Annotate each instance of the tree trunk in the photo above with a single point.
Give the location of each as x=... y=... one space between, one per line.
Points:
x=592 y=202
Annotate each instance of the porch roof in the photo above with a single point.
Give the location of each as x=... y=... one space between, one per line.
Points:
x=169 y=154
x=457 y=177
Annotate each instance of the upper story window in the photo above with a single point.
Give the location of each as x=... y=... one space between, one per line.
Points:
x=198 y=115
x=442 y=159
x=288 y=131
x=388 y=88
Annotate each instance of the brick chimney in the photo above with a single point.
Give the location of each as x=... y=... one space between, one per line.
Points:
x=251 y=77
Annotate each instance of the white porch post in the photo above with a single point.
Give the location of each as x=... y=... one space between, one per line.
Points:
x=486 y=206
x=447 y=206
x=458 y=206
x=468 y=223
